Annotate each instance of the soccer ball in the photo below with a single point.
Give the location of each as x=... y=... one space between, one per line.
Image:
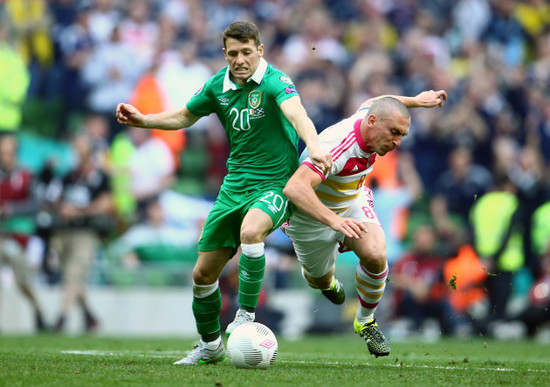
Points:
x=252 y=345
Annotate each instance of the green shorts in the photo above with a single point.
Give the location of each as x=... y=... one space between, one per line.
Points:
x=223 y=224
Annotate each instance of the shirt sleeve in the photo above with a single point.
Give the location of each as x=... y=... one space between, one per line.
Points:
x=283 y=88
x=200 y=103
x=306 y=160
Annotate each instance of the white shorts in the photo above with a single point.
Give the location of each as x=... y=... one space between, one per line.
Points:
x=317 y=245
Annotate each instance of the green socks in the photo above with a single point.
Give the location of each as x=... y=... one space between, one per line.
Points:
x=251 y=275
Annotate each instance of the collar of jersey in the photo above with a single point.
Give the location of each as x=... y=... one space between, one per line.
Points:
x=357 y=130
x=257 y=77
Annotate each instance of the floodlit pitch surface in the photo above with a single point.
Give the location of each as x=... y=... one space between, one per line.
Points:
x=335 y=360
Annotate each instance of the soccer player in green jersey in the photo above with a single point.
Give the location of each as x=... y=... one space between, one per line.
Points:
x=263 y=117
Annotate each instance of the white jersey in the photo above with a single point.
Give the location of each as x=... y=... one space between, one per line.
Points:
x=352 y=161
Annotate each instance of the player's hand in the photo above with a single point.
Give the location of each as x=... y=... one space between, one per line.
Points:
x=431 y=98
x=127 y=114
x=352 y=228
x=320 y=158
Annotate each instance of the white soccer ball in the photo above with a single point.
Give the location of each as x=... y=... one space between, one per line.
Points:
x=252 y=345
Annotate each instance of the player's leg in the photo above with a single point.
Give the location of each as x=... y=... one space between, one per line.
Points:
x=266 y=211
x=316 y=247
x=331 y=288
x=207 y=305
x=370 y=280
x=218 y=243
x=370 y=274
x=255 y=227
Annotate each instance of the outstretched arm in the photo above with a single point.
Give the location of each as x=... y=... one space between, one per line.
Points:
x=169 y=120
x=299 y=190
x=294 y=111
x=425 y=99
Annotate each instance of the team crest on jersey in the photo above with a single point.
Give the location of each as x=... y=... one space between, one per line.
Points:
x=286 y=79
x=254 y=99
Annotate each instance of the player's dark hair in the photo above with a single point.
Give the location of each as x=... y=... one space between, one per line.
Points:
x=242 y=31
x=383 y=108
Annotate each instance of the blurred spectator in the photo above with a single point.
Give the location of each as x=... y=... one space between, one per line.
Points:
x=541 y=230
x=151 y=166
x=31 y=21
x=317 y=39
x=84 y=212
x=527 y=175
x=535 y=314
x=14 y=81
x=155 y=240
x=17 y=207
x=465 y=275
x=139 y=31
x=104 y=17
x=142 y=167
x=533 y=15
x=111 y=73
x=179 y=12
x=181 y=74
x=499 y=243
x=323 y=93
x=470 y=18
x=505 y=35
x=76 y=45
x=396 y=186
x=96 y=128
x=48 y=187
x=456 y=191
x=505 y=152
x=420 y=289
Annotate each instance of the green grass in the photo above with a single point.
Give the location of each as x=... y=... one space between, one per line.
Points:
x=336 y=360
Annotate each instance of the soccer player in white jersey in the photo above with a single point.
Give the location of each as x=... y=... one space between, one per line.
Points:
x=335 y=210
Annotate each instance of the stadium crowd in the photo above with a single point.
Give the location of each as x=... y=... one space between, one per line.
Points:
x=465 y=202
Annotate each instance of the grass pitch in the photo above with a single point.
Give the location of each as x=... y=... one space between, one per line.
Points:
x=335 y=360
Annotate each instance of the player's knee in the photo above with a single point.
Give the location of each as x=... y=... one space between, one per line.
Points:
x=202 y=276
x=373 y=254
x=250 y=235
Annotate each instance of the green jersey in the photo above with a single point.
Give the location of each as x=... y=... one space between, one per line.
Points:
x=263 y=143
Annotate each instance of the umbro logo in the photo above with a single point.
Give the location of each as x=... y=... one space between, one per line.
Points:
x=267 y=344
x=223 y=100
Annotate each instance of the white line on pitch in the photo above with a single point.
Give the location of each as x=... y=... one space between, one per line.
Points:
x=167 y=354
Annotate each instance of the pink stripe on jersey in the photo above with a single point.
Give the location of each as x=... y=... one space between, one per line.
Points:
x=346 y=143
x=311 y=166
x=375 y=276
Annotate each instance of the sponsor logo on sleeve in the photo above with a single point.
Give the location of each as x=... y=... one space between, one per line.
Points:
x=286 y=79
x=291 y=89
x=197 y=92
